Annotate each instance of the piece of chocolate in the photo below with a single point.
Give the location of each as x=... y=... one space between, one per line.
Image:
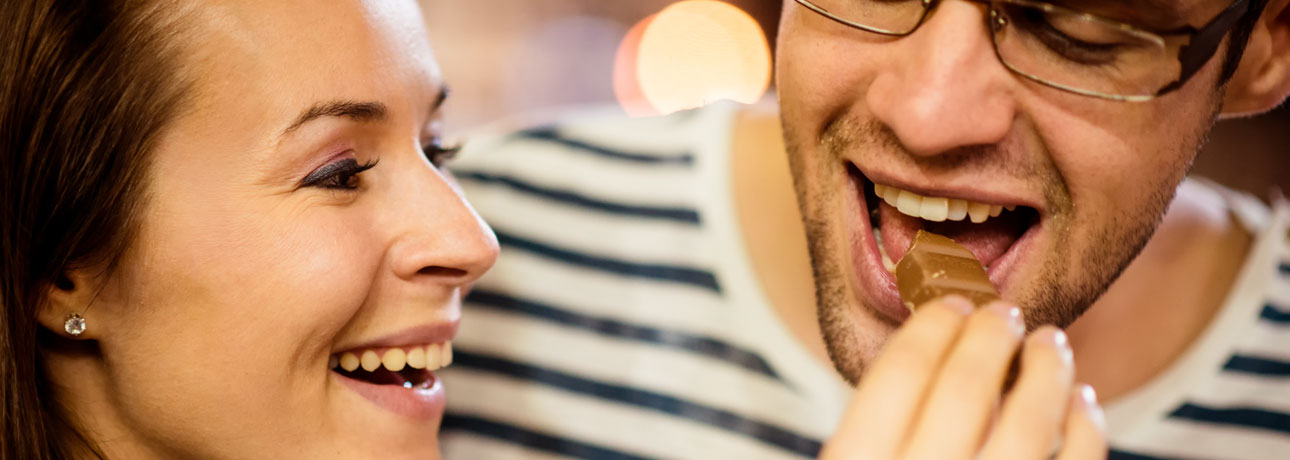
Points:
x=936 y=266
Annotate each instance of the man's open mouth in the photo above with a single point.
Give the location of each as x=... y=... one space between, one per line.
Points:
x=994 y=229
x=988 y=230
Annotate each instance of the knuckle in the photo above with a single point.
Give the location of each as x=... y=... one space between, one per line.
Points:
x=973 y=367
x=978 y=361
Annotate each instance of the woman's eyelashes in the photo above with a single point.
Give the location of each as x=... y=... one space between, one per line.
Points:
x=438 y=153
x=339 y=175
x=344 y=174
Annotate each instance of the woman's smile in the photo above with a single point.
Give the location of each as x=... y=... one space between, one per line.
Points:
x=295 y=234
x=396 y=372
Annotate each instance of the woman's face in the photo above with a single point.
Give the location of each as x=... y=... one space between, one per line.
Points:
x=265 y=256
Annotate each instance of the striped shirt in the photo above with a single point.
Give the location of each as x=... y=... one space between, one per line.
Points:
x=1228 y=395
x=623 y=321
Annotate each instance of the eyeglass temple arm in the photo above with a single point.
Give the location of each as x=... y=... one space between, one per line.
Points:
x=1204 y=42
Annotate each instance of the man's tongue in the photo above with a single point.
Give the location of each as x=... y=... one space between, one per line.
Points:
x=987 y=240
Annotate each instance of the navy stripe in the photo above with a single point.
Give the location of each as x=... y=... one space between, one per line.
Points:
x=549 y=134
x=1274 y=314
x=528 y=438
x=670 y=273
x=1285 y=268
x=684 y=215
x=1123 y=455
x=700 y=345
x=1241 y=417
x=1261 y=366
x=764 y=432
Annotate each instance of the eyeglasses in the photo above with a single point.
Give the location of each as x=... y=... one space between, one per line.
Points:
x=1064 y=48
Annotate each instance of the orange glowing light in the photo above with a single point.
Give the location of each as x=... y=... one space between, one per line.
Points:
x=627 y=86
x=691 y=54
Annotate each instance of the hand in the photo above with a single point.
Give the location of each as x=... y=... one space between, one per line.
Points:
x=934 y=393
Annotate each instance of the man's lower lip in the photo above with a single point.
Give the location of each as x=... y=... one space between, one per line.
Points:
x=1003 y=268
x=879 y=287
x=416 y=403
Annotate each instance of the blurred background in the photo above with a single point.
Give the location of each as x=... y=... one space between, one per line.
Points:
x=508 y=58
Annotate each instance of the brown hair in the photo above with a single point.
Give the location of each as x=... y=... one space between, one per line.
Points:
x=85 y=88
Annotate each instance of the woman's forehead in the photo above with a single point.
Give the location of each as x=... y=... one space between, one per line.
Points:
x=286 y=54
x=296 y=37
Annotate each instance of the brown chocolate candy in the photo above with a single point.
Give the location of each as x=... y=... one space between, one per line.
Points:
x=936 y=266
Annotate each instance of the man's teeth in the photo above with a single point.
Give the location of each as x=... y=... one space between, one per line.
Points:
x=432 y=357
x=937 y=209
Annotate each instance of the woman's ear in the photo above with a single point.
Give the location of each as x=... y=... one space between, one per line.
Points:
x=1262 y=81
x=66 y=309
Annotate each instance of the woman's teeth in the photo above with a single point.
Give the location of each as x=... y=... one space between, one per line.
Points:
x=431 y=357
x=937 y=209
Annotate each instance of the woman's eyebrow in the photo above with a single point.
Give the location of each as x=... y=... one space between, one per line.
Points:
x=355 y=110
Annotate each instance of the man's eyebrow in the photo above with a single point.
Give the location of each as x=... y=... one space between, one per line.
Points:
x=1155 y=15
x=354 y=110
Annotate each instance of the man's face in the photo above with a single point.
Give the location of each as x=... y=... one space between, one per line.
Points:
x=935 y=115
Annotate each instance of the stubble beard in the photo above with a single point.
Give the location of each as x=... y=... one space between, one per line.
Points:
x=1051 y=298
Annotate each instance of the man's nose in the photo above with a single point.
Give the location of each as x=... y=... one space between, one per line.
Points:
x=945 y=88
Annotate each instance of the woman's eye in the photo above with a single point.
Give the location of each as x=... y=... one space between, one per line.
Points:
x=340 y=175
x=438 y=153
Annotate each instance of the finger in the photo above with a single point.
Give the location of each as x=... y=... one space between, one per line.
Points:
x=1033 y=414
x=887 y=400
x=959 y=408
x=1085 y=434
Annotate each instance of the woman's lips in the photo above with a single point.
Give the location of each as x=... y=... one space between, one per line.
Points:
x=423 y=402
x=396 y=372
x=425 y=334
x=399 y=379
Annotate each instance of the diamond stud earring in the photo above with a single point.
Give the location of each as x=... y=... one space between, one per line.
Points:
x=75 y=325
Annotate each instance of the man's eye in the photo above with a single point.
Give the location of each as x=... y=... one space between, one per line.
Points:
x=1073 y=38
x=438 y=153
x=340 y=175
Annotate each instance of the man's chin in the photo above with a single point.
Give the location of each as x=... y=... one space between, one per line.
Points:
x=854 y=333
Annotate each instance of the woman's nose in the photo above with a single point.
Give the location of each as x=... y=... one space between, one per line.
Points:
x=439 y=237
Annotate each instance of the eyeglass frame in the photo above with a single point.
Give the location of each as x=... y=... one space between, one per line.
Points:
x=1202 y=42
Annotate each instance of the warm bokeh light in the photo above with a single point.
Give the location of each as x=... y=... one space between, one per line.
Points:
x=691 y=54
x=626 y=82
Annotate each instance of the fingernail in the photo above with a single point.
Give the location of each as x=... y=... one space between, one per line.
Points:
x=1011 y=313
x=1063 y=344
x=1089 y=396
x=958 y=304
x=1057 y=339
